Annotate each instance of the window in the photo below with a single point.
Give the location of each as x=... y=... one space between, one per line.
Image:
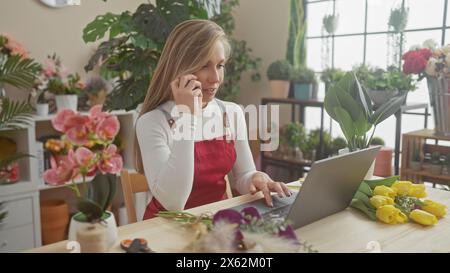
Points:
x=362 y=37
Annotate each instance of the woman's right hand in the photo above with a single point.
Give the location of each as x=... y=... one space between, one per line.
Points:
x=187 y=93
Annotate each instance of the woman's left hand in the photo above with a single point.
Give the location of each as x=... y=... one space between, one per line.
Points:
x=262 y=182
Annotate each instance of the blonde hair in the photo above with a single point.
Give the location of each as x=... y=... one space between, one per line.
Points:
x=186 y=51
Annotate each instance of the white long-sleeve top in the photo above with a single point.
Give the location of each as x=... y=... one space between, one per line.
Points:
x=169 y=161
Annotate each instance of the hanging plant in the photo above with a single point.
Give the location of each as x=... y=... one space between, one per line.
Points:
x=330 y=23
x=398 y=19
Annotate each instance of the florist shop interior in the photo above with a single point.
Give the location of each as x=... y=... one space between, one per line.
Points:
x=88 y=162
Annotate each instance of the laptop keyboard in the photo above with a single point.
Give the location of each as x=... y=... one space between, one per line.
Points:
x=280 y=209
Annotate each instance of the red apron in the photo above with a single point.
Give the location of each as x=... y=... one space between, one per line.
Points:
x=213 y=160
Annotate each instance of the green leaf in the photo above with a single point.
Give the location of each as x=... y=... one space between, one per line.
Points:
x=150 y=21
x=381 y=182
x=19 y=72
x=365 y=188
x=389 y=108
x=127 y=94
x=359 y=204
x=13 y=114
x=104 y=51
x=91 y=210
x=345 y=122
x=102 y=23
x=363 y=98
x=211 y=7
x=363 y=197
x=103 y=190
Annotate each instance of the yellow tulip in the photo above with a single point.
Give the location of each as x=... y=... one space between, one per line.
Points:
x=402 y=187
x=380 y=200
x=391 y=215
x=423 y=217
x=385 y=191
x=418 y=190
x=435 y=208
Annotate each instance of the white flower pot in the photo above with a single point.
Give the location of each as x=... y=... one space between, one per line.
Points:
x=42 y=109
x=369 y=174
x=66 y=102
x=111 y=228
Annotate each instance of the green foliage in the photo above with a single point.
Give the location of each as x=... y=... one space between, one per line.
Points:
x=296 y=47
x=295 y=135
x=330 y=23
x=100 y=196
x=347 y=103
x=377 y=141
x=398 y=19
x=280 y=70
x=137 y=39
x=304 y=75
x=17 y=71
x=13 y=114
x=338 y=144
x=391 y=79
x=332 y=75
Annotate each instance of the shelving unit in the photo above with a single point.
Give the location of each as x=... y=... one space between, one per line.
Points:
x=22 y=199
x=21 y=227
x=426 y=142
x=288 y=163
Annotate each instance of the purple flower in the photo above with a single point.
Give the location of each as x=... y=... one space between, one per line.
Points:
x=288 y=233
x=250 y=213
x=230 y=215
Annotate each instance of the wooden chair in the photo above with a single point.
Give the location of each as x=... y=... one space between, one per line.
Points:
x=133 y=183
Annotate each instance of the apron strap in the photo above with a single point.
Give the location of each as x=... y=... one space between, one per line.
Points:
x=226 y=122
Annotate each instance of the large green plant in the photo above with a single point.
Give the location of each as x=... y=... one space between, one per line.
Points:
x=296 y=47
x=391 y=79
x=135 y=42
x=347 y=103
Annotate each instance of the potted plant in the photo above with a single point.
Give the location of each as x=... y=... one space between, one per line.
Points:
x=348 y=103
x=330 y=76
x=296 y=138
x=65 y=86
x=384 y=84
x=304 y=80
x=414 y=164
x=338 y=143
x=330 y=23
x=92 y=153
x=436 y=165
x=279 y=74
x=312 y=147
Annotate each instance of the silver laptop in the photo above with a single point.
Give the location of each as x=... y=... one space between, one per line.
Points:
x=328 y=188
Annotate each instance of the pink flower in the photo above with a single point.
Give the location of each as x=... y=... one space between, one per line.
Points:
x=49 y=68
x=108 y=128
x=111 y=162
x=63 y=171
x=84 y=157
x=96 y=113
x=59 y=122
x=77 y=127
x=15 y=47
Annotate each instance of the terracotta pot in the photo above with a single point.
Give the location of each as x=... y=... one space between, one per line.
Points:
x=383 y=162
x=54 y=220
x=279 y=89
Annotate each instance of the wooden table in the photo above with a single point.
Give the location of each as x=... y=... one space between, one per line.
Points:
x=346 y=231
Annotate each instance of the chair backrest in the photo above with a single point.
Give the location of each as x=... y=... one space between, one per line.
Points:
x=133 y=183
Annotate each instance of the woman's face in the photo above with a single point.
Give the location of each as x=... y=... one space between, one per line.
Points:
x=211 y=74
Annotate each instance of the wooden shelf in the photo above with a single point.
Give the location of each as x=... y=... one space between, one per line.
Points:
x=417 y=140
x=427 y=174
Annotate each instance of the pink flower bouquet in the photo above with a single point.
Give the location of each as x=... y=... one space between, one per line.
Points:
x=92 y=152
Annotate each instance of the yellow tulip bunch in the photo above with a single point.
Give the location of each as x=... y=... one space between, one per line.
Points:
x=395 y=202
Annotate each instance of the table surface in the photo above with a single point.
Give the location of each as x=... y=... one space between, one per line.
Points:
x=346 y=231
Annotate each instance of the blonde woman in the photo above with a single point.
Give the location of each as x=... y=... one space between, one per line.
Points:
x=185 y=172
